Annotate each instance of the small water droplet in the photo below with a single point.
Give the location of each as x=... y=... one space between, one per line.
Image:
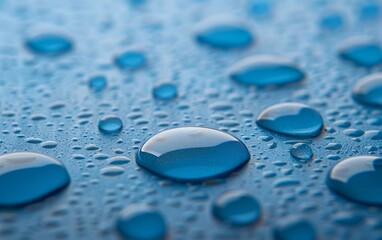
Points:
x=110 y=124
x=49 y=44
x=294 y=228
x=301 y=151
x=130 y=60
x=165 y=91
x=97 y=83
x=364 y=53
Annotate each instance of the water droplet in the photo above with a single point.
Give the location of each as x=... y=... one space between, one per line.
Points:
x=223 y=35
x=365 y=53
x=369 y=90
x=301 y=151
x=97 y=83
x=49 y=44
x=110 y=124
x=26 y=177
x=332 y=21
x=141 y=222
x=237 y=208
x=294 y=228
x=291 y=118
x=165 y=91
x=192 y=154
x=358 y=178
x=265 y=70
x=130 y=60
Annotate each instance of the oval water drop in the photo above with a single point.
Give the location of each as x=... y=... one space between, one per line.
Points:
x=364 y=53
x=301 y=151
x=165 y=91
x=110 y=124
x=192 y=154
x=265 y=70
x=49 y=44
x=97 y=83
x=369 y=90
x=26 y=177
x=358 y=178
x=291 y=118
x=294 y=228
x=130 y=60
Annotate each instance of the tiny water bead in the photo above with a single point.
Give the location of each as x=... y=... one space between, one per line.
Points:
x=110 y=124
x=27 y=177
x=141 y=222
x=369 y=90
x=130 y=60
x=97 y=83
x=165 y=91
x=224 y=35
x=294 y=228
x=301 y=151
x=265 y=70
x=49 y=44
x=358 y=178
x=365 y=54
x=237 y=208
x=294 y=119
x=192 y=154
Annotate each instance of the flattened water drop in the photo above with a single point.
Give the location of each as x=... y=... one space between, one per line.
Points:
x=49 y=44
x=165 y=91
x=358 y=178
x=237 y=208
x=223 y=35
x=362 y=53
x=97 y=83
x=265 y=70
x=27 y=177
x=369 y=90
x=110 y=124
x=130 y=60
x=291 y=118
x=141 y=222
x=192 y=154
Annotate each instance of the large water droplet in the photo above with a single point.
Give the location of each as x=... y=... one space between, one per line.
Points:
x=291 y=118
x=141 y=222
x=165 y=91
x=192 y=153
x=237 y=208
x=265 y=70
x=223 y=35
x=364 y=53
x=130 y=60
x=49 y=44
x=110 y=124
x=358 y=178
x=294 y=228
x=26 y=177
x=369 y=90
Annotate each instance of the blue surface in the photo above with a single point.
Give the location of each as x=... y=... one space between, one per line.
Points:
x=48 y=107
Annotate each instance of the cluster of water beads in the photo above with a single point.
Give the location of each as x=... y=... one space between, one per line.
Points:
x=265 y=70
x=27 y=177
x=49 y=44
x=192 y=154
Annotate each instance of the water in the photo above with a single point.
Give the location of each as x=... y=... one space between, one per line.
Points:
x=130 y=60
x=165 y=91
x=224 y=36
x=301 y=151
x=368 y=90
x=49 y=44
x=357 y=178
x=294 y=119
x=237 y=208
x=27 y=177
x=265 y=70
x=141 y=222
x=97 y=83
x=332 y=21
x=365 y=54
x=294 y=228
x=110 y=124
x=192 y=154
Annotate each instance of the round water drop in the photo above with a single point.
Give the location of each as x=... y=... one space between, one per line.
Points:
x=141 y=222
x=291 y=118
x=301 y=151
x=27 y=177
x=358 y=178
x=223 y=35
x=49 y=44
x=192 y=154
x=265 y=70
x=294 y=228
x=130 y=60
x=365 y=54
x=110 y=124
x=237 y=208
x=369 y=90
x=97 y=83
x=165 y=91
